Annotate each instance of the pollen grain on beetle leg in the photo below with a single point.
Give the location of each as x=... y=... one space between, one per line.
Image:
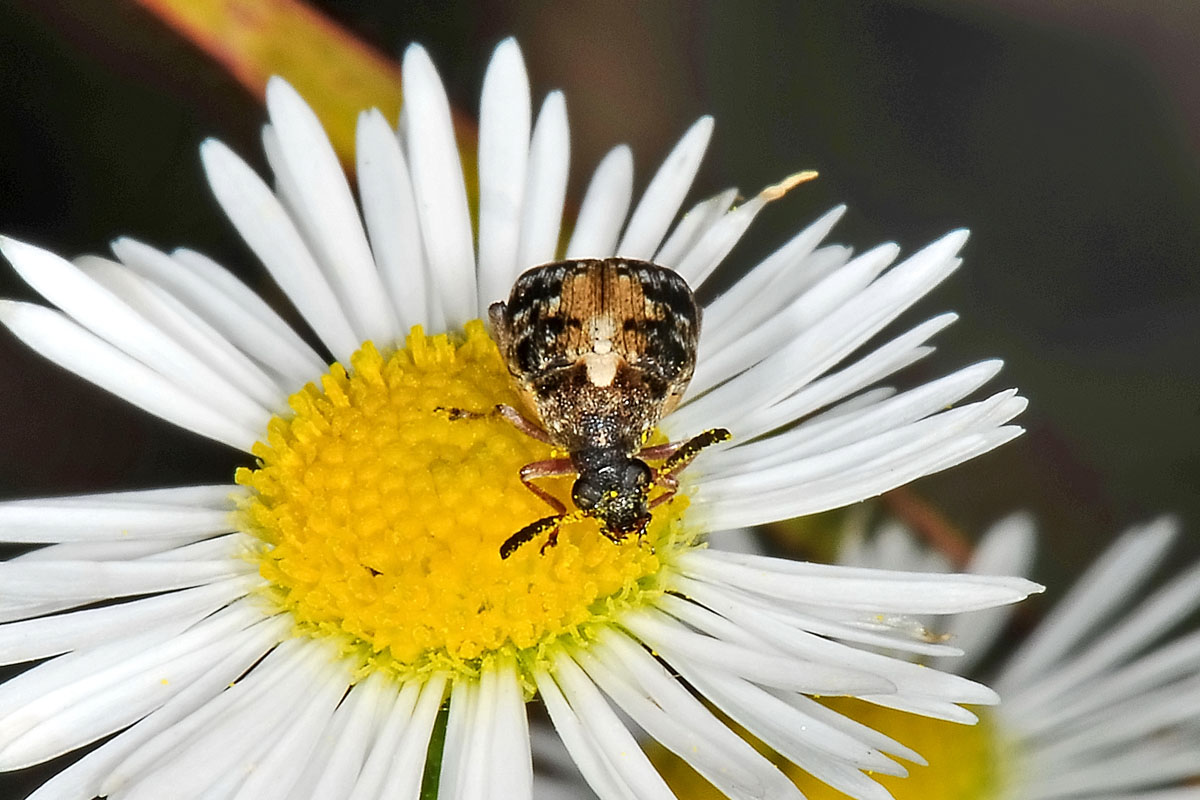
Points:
x=381 y=518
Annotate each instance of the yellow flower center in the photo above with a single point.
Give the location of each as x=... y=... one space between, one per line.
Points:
x=382 y=518
x=966 y=762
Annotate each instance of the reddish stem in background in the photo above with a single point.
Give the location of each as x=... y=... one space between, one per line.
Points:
x=941 y=534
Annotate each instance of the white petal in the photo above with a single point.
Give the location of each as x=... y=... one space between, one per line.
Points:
x=275 y=774
x=720 y=237
x=1105 y=586
x=604 y=206
x=84 y=777
x=266 y=226
x=109 y=517
x=679 y=645
x=663 y=197
x=504 y=124
x=346 y=741
x=327 y=214
x=390 y=212
x=46 y=716
x=691 y=227
x=438 y=186
x=666 y=711
x=69 y=345
x=113 y=320
x=757 y=296
x=1006 y=549
x=228 y=305
x=545 y=186
x=396 y=714
x=187 y=328
x=83 y=579
x=403 y=781
x=49 y=636
x=604 y=750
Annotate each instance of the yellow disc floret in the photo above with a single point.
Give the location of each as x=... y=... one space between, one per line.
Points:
x=382 y=517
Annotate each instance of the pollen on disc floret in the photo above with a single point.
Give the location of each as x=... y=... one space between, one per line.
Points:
x=382 y=518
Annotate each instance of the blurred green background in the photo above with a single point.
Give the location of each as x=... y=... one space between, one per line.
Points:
x=1064 y=134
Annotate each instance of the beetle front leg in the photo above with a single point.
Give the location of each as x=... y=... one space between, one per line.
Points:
x=551 y=468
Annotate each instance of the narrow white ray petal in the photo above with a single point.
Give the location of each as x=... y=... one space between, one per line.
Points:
x=716 y=242
x=460 y=727
x=45 y=716
x=228 y=305
x=131 y=550
x=867 y=735
x=1006 y=549
x=48 y=636
x=678 y=645
x=213 y=495
x=438 y=187
x=403 y=781
x=1151 y=764
x=327 y=213
x=920 y=451
x=603 y=748
x=219 y=748
x=691 y=226
x=84 y=777
x=805 y=742
x=736 y=311
x=1160 y=612
x=107 y=517
x=275 y=774
x=1158 y=668
x=803 y=315
x=875 y=366
x=910 y=679
x=187 y=328
x=82 y=579
x=880 y=445
x=604 y=206
x=390 y=213
x=1105 y=586
x=396 y=717
x=116 y=322
x=1126 y=723
x=814 y=351
x=789 y=727
x=266 y=226
x=665 y=710
x=545 y=187
x=831 y=432
x=68 y=725
x=663 y=197
x=512 y=770
x=856 y=588
x=173 y=728
x=505 y=115
x=345 y=742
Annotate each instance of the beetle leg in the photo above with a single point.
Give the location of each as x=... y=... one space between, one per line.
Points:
x=504 y=412
x=531 y=531
x=687 y=452
x=546 y=469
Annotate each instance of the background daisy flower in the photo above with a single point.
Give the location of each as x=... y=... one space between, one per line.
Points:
x=1099 y=701
x=354 y=564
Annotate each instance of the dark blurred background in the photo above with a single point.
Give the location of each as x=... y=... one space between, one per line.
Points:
x=1064 y=134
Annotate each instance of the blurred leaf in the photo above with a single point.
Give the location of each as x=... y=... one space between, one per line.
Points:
x=337 y=74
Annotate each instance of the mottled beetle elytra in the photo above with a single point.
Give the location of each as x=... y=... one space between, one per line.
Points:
x=599 y=350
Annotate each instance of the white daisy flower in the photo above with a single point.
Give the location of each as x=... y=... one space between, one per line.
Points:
x=295 y=633
x=1097 y=702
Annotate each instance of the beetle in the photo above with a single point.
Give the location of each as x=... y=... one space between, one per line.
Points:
x=599 y=350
